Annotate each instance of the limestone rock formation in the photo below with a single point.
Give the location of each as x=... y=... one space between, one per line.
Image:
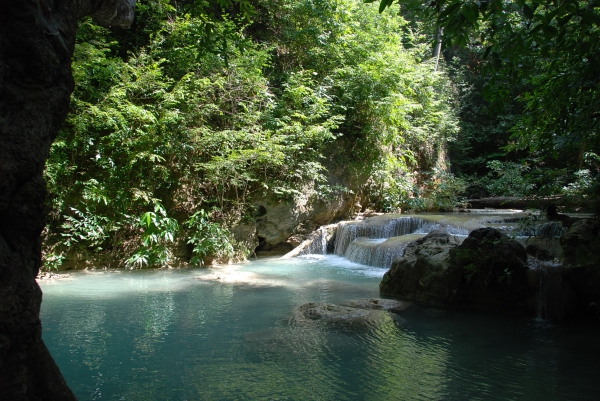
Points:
x=276 y=221
x=37 y=38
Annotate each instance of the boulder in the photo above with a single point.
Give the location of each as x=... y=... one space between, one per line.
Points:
x=487 y=272
x=581 y=246
x=422 y=273
x=538 y=252
x=581 y=243
x=544 y=246
x=494 y=271
x=277 y=221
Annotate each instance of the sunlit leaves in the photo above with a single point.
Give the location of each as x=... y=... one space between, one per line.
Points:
x=199 y=115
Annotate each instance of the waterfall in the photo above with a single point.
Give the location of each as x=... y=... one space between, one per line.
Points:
x=549 y=296
x=428 y=227
x=318 y=246
x=379 y=252
x=378 y=240
x=551 y=229
x=374 y=227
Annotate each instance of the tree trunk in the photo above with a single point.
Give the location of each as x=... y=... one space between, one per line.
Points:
x=437 y=47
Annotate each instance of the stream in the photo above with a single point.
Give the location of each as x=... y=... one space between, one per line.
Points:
x=225 y=333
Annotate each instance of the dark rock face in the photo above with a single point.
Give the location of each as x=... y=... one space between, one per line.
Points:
x=487 y=271
x=581 y=246
x=424 y=273
x=36 y=43
x=581 y=243
x=494 y=271
x=538 y=252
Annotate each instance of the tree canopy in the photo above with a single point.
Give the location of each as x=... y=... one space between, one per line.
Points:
x=547 y=49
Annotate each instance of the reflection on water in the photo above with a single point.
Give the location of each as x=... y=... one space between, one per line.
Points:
x=225 y=334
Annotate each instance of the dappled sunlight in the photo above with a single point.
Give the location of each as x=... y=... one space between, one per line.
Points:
x=235 y=275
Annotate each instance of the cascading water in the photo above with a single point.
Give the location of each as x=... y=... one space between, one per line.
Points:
x=374 y=227
x=378 y=252
x=318 y=246
x=550 y=229
x=546 y=279
x=379 y=240
x=428 y=227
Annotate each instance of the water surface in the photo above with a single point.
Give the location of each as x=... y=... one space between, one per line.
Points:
x=226 y=334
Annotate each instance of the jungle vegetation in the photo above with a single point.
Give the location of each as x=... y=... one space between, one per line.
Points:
x=179 y=123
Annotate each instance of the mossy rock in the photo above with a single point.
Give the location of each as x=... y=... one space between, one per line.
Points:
x=487 y=272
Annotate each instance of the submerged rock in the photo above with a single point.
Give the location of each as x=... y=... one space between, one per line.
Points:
x=391 y=305
x=358 y=311
x=334 y=313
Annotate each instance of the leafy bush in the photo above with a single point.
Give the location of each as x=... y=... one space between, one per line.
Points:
x=86 y=228
x=159 y=233
x=209 y=240
x=508 y=179
x=446 y=191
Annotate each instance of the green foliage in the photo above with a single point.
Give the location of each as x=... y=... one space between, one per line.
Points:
x=544 y=53
x=585 y=185
x=195 y=109
x=520 y=179
x=209 y=240
x=508 y=179
x=484 y=131
x=85 y=227
x=445 y=192
x=159 y=233
x=437 y=191
x=52 y=261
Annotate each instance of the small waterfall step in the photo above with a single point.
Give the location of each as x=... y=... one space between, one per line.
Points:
x=315 y=244
x=393 y=225
x=379 y=252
